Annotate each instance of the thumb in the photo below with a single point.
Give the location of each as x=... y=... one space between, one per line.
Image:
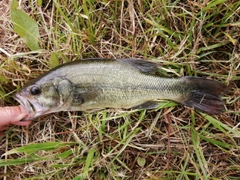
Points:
x=11 y=115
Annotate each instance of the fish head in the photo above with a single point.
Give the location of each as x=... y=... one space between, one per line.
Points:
x=41 y=98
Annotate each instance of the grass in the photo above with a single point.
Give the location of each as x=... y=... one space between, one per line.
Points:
x=172 y=142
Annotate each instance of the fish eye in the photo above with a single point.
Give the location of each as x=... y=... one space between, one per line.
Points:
x=35 y=90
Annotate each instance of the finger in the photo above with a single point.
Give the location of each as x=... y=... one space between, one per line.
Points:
x=4 y=127
x=11 y=114
x=22 y=123
x=20 y=113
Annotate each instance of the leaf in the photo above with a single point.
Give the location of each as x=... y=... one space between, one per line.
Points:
x=39 y=3
x=25 y=26
x=79 y=177
x=141 y=161
x=53 y=60
x=14 y=4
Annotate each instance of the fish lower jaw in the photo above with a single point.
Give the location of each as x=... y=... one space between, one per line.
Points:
x=32 y=108
x=34 y=114
x=25 y=104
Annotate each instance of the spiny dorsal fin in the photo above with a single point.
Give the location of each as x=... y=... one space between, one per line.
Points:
x=143 y=65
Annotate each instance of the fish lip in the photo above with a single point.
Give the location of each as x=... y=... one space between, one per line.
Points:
x=24 y=103
x=32 y=109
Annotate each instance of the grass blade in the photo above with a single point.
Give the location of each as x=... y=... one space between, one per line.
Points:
x=31 y=148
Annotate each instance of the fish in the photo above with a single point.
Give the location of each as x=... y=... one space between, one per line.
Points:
x=131 y=83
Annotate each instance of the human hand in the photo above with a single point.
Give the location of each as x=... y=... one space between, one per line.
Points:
x=12 y=115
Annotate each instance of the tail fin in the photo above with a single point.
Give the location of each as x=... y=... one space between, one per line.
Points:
x=205 y=94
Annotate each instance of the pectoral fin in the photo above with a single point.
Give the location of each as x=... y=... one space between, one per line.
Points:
x=81 y=95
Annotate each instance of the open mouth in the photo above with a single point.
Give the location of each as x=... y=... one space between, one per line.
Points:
x=32 y=106
x=27 y=105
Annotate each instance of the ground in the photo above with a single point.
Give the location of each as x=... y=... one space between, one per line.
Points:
x=193 y=38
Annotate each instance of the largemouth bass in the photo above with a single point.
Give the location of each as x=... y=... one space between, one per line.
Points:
x=122 y=83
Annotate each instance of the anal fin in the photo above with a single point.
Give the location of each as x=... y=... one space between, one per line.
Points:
x=147 y=105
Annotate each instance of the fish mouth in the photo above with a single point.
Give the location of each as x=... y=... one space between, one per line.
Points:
x=31 y=106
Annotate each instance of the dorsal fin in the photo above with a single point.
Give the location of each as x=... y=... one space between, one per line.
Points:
x=143 y=65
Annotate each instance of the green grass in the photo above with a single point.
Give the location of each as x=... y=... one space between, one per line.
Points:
x=171 y=142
